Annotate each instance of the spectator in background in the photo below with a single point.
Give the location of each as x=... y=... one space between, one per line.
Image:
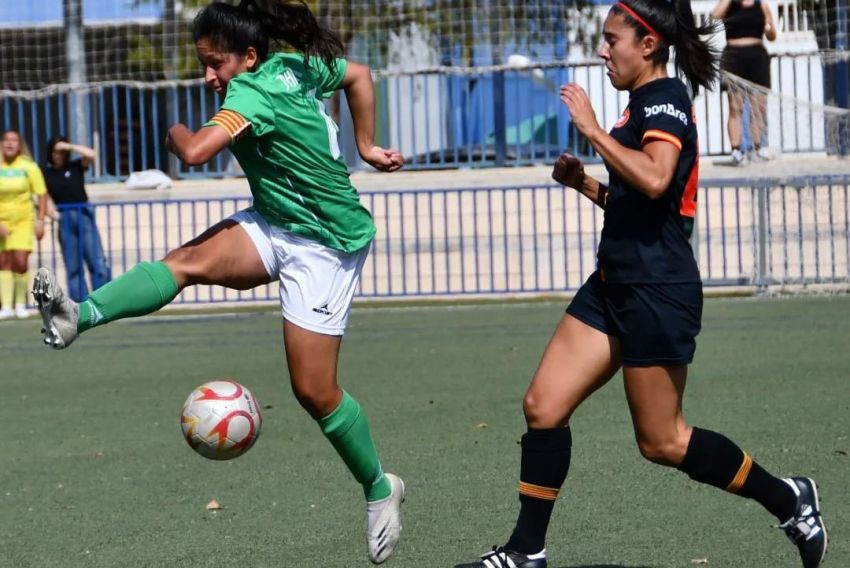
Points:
x=78 y=233
x=20 y=180
x=746 y=23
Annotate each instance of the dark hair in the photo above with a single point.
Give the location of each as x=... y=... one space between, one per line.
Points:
x=51 y=144
x=674 y=21
x=256 y=23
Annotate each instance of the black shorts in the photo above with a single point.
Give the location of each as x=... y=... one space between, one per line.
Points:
x=750 y=62
x=656 y=324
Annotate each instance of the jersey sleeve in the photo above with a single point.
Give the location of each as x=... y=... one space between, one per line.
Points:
x=246 y=108
x=329 y=79
x=37 y=185
x=665 y=118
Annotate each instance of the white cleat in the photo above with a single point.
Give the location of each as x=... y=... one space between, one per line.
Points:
x=59 y=314
x=384 y=531
x=7 y=314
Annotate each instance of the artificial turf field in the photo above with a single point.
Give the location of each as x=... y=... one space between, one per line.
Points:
x=94 y=471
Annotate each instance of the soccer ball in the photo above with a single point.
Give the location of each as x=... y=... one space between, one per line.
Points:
x=221 y=420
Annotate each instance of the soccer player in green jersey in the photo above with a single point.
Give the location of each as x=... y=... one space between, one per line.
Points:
x=306 y=228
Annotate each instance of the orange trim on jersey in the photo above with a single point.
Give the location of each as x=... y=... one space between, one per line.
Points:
x=688 y=206
x=537 y=491
x=741 y=476
x=233 y=122
x=650 y=135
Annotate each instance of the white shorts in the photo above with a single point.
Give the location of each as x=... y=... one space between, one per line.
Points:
x=317 y=283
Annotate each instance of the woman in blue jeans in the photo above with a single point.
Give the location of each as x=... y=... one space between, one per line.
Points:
x=78 y=235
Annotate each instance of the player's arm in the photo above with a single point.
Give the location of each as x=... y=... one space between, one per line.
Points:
x=197 y=148
x=719 y=11
x=39 y=220
x=648 y=170
x=360 y=94
x=39 y=189
x=569 y=171
x=87 y=155
x=769 y=28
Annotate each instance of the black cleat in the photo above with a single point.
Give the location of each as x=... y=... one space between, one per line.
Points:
x=502 y=558
x=806 y=528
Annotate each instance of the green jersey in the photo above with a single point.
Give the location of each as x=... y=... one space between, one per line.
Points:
x=290 y=152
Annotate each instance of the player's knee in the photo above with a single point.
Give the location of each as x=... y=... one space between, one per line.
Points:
x=186 y=264
x=318 y=402
x=19 y=266
x=539 y=413
x=663 y=451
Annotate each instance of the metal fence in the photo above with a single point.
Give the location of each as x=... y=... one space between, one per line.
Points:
x=438 y=119
x=524 y=239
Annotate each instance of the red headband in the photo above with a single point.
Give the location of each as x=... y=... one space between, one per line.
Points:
x=639 y=20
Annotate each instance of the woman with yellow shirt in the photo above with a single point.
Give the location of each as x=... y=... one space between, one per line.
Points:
x=20 y=179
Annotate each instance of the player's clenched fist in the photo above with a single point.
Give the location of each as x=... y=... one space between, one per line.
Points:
x=569 y=171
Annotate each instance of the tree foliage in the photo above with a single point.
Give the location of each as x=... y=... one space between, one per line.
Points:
x=460 y=32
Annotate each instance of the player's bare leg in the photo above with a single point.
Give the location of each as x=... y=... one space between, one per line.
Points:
x=312 y=359
x=578 y=360
x=655 y=400
x=224 y=255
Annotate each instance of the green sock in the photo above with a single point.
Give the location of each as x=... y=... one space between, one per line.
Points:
x=143 y=289
x=348 y=431
x=7 y=289
x=21 y=288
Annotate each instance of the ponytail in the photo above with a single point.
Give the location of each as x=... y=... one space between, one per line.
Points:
x=292 y=22
x=674 y=24
x=253 y=23
x=695 y=57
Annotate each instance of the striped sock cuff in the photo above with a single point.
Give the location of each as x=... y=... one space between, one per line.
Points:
x=538 y=491
x=741 y=476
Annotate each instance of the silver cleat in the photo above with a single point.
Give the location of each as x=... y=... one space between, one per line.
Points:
x=59 y=314
x=382 y=536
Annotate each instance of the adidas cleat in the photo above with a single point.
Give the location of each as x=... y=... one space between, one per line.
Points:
x=384 y=531
x=806 y=528
x=501 y=558
x=59 y=314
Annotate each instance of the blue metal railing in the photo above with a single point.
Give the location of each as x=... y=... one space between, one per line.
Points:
x=437 y=119
x=524 y=239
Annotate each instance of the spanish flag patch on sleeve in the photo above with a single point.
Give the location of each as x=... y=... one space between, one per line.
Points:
x=233 y=122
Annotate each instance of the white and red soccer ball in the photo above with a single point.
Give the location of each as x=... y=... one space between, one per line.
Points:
x=221 y=420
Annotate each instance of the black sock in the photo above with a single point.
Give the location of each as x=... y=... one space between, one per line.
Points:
x=543 y=469
x=714 y=459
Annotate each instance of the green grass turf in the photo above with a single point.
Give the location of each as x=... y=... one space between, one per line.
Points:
x=94 y=472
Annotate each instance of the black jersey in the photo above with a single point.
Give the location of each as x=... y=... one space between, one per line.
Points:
x=646 y=240
x=66 y=185
x=743 y=21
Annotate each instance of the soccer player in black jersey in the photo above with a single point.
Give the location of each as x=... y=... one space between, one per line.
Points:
x=641 y=309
